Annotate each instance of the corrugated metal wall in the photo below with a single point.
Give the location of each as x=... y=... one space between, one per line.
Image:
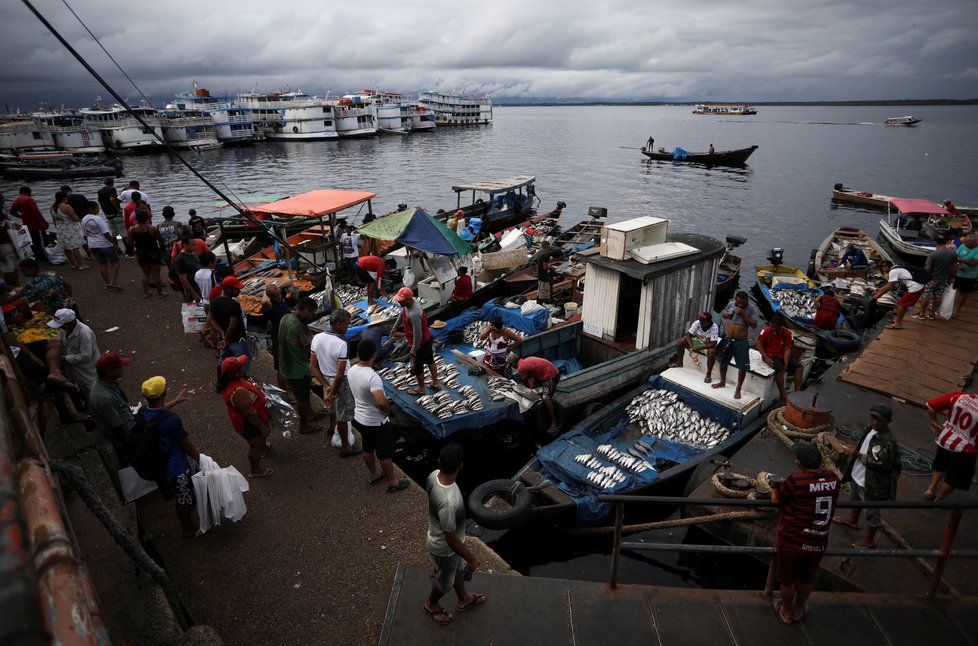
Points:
x=671 y=301
x=601 y=298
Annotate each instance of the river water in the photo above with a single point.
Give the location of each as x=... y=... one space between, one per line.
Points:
x=589 y=156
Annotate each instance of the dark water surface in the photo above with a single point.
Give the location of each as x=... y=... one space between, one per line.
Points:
x=589 y=156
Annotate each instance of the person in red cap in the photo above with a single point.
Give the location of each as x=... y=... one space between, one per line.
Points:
x=227 y=321
x=415 y=324
x=374 y=266
x=247 y=411
x=110 y=412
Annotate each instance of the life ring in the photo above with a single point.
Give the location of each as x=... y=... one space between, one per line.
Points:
x=500 y=516
x=295 y=129
x=842 y=340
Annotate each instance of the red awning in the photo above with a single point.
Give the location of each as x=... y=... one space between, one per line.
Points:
x=925 y=207
x=314 y=203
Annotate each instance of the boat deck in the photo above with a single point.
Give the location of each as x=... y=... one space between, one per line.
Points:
x=922 y=361
x=524 y=610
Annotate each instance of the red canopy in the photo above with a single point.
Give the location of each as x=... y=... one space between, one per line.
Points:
x=925 y=207
x=314 y=203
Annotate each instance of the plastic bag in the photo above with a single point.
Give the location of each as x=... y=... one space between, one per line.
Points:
x=219 y=493
x=21 y=237
x=947 y=303
x=408 y=278
x=133 y=487
x=283 y=416
x=193 y=318
x=55 y=254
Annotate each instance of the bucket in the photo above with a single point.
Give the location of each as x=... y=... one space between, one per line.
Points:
x=802 y=410
x=570 y=309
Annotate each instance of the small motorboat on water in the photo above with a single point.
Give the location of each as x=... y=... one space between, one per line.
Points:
x=911 y=226
x=728 y=273
x=853 y=284
x=846 y=195
x=907 y=120
x=716 y=158
x=789 y=292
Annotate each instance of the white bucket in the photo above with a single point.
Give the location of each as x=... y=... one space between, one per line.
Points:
x=570 y=309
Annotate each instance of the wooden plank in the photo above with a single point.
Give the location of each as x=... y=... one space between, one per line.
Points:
x=908 y=391
x=928 y=367
x=930 y=377
x=912 y=344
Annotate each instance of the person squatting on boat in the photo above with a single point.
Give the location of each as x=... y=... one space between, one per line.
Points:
x=807 y=498
x=741 y=314
x=852 y=258
x=873 y=470
x=777 y=350
x=703 y=334
x=463 y=287
x=500 y=342
x=957 y=443
x=827 y=309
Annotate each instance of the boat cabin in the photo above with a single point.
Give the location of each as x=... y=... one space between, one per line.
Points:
x=499 y=202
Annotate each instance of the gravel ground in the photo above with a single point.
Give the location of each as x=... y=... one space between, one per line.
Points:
x=314 y=558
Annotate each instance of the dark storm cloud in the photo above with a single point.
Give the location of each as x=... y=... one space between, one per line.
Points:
x=713 y=49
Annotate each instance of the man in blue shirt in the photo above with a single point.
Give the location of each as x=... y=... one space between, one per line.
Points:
x=175 y=443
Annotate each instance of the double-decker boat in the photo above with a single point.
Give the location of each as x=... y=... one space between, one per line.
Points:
x=451 y=109
x=737 y=109
x=121 y=131
x=233 y=124
x=70 y=131
x=192 y=129
x=291 y=115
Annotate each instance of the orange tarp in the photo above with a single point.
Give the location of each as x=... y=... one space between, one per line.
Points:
x=314 y=203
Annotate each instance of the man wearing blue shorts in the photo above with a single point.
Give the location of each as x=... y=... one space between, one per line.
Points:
x=740 y=314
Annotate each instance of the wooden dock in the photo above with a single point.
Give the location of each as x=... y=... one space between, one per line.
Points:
x=544 y=612
x=923 y=360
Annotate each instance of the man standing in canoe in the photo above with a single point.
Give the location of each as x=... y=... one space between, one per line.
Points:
x=740 y=314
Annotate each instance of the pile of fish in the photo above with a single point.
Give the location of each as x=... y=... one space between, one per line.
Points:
x=498 y=387
x=350 y=293
x=600 y=475
x=661 y=414
x=795 y=303
x=634 y=464
x=472 y=332
x=442 y=406
x=447 y=373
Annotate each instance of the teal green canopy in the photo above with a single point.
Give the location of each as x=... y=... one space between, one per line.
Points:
x=416 y=229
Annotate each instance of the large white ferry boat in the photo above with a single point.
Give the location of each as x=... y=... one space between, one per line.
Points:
x=724 y=108
x=24 y=134
x=233 y=124
x=355 y=118
x=121 y=131
x=291 y=115
x=70 y=131
x=392 y=112
x=188 y=128
x=451 y=109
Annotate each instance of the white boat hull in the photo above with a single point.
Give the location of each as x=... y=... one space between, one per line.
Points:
x=920 y=249
x=80 y=141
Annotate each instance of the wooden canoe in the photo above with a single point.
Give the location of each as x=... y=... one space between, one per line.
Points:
x=736 y=157
x=830 y=251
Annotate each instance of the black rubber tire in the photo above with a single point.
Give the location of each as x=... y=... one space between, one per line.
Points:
x=842 y=340
x=518 y=512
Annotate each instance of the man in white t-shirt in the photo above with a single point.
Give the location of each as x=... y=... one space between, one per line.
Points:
x=204 y=277
x=126 y=195
x=371 y=418
x=350 y=240
x=703 y=334
x=899 y=278
x=328 y=360
x=103 y=246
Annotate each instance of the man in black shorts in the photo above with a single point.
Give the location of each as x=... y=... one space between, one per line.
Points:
x=415 y=323
x=967 y=274
x=807 y=501
x=777 y=350
x=370 y=418
x=740 y=315
x=957 y=443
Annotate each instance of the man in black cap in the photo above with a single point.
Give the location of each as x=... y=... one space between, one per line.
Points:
x=807 y=498
x=703 y=334
x=873 y=471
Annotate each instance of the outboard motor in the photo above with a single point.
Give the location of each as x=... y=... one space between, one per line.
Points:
x=735 y=241
x=776 y=256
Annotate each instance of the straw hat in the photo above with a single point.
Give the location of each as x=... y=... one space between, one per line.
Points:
x=376 y=318
x=438 y=325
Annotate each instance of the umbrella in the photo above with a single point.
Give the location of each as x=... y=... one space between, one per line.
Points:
x=416 y=229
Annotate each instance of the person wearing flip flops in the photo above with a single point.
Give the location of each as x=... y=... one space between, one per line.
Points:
x=414 y=327
x=807 y=499
x=454 y=562
x=246 y=409
x=873 y=471
x=957 y=443
x=328 y=362
x=370 y=418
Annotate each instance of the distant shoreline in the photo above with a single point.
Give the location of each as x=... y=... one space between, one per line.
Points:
x=754 y=103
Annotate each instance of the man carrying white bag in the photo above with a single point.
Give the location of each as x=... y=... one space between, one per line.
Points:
x=219 y=493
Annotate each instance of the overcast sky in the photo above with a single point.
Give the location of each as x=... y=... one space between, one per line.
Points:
x=737 y=50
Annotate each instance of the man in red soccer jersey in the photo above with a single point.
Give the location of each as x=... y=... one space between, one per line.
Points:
x=957 y=448
x=808 y=499
x=374 y=266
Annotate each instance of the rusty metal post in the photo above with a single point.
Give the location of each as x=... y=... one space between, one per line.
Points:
x=945 y=551
x=616 y=549
x=769 y=583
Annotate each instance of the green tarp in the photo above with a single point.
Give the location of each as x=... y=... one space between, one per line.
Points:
x=416 y=229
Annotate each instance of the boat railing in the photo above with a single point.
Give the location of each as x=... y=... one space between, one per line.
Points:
x=943 y=553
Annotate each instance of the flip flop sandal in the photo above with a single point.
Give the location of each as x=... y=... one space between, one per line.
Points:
x=267 y=472
x=845 y=522
x=894 y=327
x=400 y=486
x=478 y=598
x=415 y=392
x=778 y=604
x=435 y=387
x=374 y=481
x=441 y=616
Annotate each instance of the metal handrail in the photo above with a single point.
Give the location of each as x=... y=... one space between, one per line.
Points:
x=942 y=553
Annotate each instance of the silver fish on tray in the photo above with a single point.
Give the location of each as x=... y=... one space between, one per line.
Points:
x=661 y=414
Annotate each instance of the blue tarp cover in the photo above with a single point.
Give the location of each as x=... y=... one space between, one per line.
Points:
x=557 y=458
x=679 y=153
x=531 y=324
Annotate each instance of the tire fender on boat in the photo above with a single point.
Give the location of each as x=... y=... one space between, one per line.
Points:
x=500 y=516
x=842 y=340
x=295 y=129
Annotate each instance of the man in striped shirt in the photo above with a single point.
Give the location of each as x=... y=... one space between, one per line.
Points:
x=807 y=501
x=957 y=449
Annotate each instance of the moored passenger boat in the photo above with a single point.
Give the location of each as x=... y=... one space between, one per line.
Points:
x=292 y=115
x=498 y=203
x=192 y=129
x=121 y=131
x=24 y=134
x=70 y=131
x=736 y=109
x=452 y=109
x=233 y=123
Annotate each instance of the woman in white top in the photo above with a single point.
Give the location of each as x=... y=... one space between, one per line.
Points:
x=67 y=223
x=499 y=343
